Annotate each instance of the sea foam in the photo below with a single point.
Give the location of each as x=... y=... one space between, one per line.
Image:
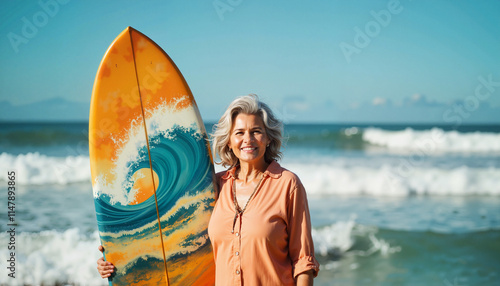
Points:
x=319 y=177
x=53 y=258
x=340 y=238
x=397 y=180
x=433 y=141
x=39 y=169
x=69 y=257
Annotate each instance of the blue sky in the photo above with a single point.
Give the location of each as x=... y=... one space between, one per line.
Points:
x=402 y=61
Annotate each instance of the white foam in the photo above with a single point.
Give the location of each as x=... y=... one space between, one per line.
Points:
x=396 y=179
x=433 y=141
x=37 y=169
x=336 y=238
x=51 y=257
x=321 y=176
x=339 y=238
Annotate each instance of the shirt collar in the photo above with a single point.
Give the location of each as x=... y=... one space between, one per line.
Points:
x=230 y=173
x=274 y=170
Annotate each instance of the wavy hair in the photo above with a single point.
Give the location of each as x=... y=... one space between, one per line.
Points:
x=248 y=104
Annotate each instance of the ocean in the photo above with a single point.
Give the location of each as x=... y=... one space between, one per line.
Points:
x=390 y=204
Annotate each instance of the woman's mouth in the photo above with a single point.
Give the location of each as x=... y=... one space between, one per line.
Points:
x=248 y=149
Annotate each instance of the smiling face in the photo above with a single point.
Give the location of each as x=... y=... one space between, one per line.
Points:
x=248 y=139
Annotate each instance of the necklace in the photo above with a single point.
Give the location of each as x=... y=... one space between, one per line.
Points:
x=237 y=209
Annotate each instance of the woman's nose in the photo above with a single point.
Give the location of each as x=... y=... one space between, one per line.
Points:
x=248 y=137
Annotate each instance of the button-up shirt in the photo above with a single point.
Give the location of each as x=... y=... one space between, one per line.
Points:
x=271 y=242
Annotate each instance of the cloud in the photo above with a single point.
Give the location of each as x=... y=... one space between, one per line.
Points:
x=306 y=108
x=417 y=108
x=416 y=99
x=379 y=101
x=419 y=99
x=296 y=103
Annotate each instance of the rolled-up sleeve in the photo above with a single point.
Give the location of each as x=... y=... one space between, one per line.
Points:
x=301 y=247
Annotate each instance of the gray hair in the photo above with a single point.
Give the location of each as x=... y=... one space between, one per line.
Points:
x=248 y=104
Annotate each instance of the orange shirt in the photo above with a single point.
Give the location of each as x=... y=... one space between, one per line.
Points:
x=272 y=242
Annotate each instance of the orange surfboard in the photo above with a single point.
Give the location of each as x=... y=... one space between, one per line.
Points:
x=152 y=170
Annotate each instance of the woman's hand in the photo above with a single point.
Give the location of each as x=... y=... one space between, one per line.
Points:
x=105 y=268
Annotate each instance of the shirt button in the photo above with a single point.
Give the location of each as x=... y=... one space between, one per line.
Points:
x=237 y=234
x=237 y=272
x=237 y=253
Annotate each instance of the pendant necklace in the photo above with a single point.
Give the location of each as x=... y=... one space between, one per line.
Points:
x=237 y=209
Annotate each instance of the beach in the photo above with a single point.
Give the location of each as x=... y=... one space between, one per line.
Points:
x=390 y=204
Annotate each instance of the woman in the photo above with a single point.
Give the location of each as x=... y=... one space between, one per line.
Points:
x=260 y=228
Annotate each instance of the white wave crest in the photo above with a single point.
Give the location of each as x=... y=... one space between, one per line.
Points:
x=336 y=238
x=339 y=238
x=52 y=258
x=397 y=180
x=38 y=169
x=334 y=176
x=433 y=141
x=69 y=257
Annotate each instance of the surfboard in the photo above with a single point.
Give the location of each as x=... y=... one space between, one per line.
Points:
x=151 y=166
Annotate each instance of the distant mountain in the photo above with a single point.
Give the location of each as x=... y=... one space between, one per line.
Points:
x=53 y=109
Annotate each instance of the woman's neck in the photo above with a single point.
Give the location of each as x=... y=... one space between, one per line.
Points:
x=249 y=172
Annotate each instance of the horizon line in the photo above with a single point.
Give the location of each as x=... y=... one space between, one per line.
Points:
x=212 y=122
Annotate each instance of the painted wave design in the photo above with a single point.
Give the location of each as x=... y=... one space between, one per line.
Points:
x=183 y=166
x=179 y=158
x=185 y=197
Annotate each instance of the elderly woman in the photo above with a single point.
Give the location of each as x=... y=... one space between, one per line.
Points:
x=260 y=228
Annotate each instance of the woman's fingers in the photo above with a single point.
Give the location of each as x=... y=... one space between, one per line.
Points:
x=105 y=268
